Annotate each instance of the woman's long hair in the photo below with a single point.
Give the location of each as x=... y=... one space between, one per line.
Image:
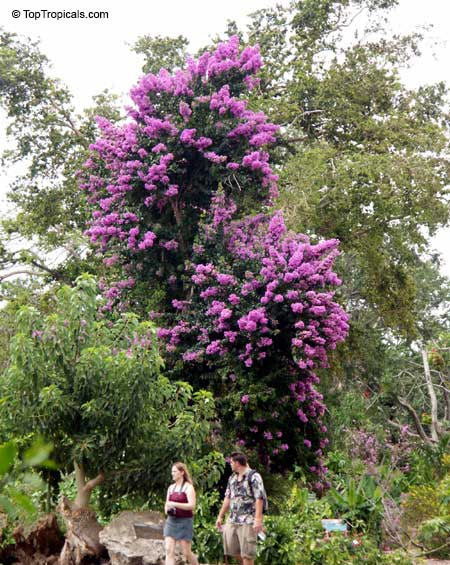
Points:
x=182 y=467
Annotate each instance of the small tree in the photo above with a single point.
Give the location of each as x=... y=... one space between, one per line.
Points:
x=93 y=387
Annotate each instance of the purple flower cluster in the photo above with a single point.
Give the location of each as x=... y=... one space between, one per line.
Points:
x=286 y=284
x=138 y=174
x=365 y=446
x=271 y=301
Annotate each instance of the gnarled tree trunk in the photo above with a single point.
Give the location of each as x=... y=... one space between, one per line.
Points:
x=82 y=545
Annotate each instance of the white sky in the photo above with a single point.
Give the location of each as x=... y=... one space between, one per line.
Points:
x=91 y=55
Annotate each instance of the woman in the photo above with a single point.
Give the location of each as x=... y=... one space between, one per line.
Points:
x=179 y=507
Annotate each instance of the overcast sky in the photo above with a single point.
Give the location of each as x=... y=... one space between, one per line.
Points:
x=90 y=55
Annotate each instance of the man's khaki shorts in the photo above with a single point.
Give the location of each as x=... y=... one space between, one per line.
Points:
x=239 y=539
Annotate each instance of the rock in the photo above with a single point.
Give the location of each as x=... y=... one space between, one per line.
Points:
x=126 y=544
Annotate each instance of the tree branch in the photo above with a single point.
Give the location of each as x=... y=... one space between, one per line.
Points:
x=416 y=419
x=55 y=274
x=435 y=427
x=402 y=427
x=84 y=489
x=80 y=476
x=90 y=485
x=20 y=272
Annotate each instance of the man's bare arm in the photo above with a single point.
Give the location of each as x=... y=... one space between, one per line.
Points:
x=223 y=511
x=258 y=523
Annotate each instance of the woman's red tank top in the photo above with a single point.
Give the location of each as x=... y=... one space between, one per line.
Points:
x=181 y=496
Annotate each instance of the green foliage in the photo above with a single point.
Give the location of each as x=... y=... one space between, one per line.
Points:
x=434 y=535
x=207 y=540
x=67 y=381
x=280 y=545
x=295 y=535
x=93 y=387
x=161 y=52
x=429 y=463
x=359 y=503
x=51 y=141
x=20 y=485
x=339 y=549
x=207 y=470
x=363 y=158
x=426 y=511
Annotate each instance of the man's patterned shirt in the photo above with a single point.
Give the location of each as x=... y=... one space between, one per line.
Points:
x=242 y=503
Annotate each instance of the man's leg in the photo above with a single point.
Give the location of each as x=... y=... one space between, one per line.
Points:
x=247 y=540
x=231 y=545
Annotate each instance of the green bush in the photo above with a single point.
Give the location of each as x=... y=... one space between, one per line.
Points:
x=207 y=539
x=280 y=545
x=342 y=550
x=427 y=512
x=295 y=536
x=21 y=487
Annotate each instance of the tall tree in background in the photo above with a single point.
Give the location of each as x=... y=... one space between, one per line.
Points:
x=362 y=158
x=47 y=142
x=366 y=161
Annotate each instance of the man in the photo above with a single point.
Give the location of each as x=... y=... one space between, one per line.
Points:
x=245 y=502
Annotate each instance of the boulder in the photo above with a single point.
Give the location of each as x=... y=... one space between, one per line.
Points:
x=136 y=538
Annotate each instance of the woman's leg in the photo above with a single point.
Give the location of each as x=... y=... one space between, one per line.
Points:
x=170 y=550
x=187 y=552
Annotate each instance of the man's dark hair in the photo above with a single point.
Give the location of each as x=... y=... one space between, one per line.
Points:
x=239 y=458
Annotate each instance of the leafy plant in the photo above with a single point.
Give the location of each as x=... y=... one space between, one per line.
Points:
x=20 y=484
x=94 y=387
x=207 y=540
x=280 y=545
x=359 y=503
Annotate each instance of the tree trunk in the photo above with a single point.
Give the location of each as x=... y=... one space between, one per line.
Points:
x=435 y=427
x=179 y=221
x=82 y=544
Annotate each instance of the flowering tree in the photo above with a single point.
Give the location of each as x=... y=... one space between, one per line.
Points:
x=152 y=178
x=260 y=314
x=248 y=308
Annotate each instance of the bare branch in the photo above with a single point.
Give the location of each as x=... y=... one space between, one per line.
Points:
x=20 y=272
x=402 y=427
x=435 y=427
x=416 y=419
